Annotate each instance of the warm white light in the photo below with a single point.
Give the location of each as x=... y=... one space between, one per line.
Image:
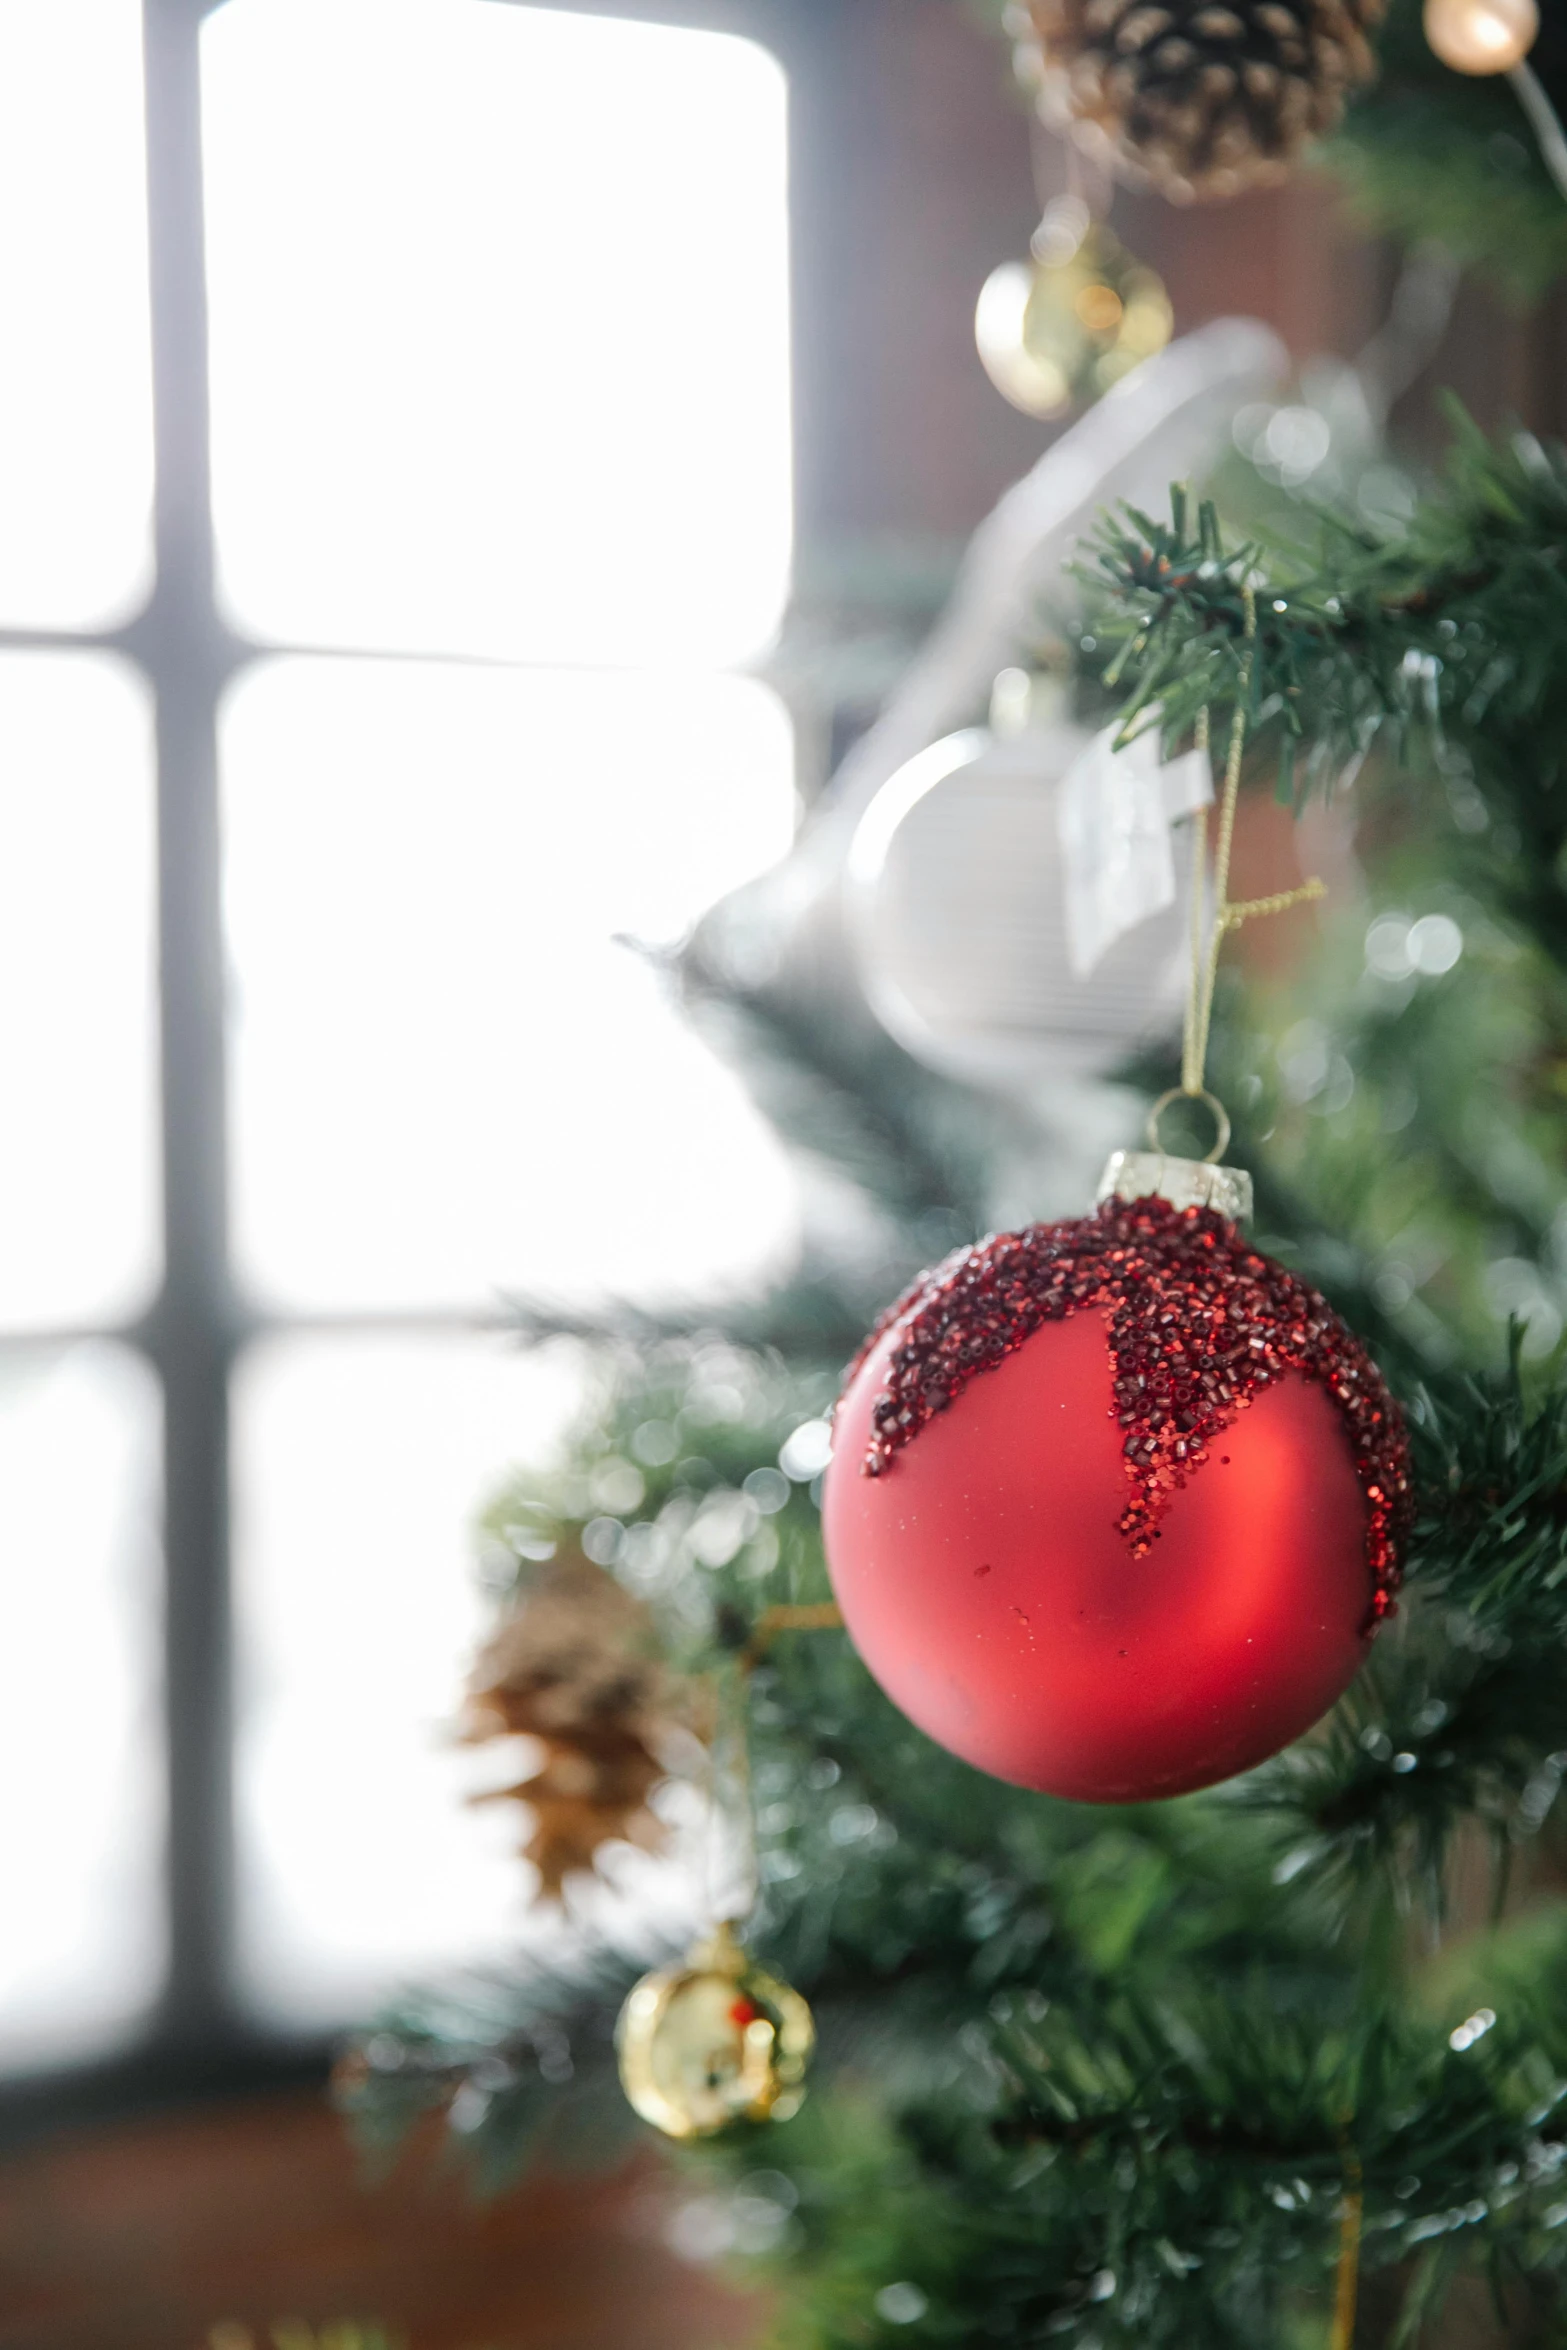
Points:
x=80 y=1835
x=500 y=366
x=361 y=1465
x=449 y=1079
x=75 y=396
x=1482 y=36
x=499 y=318
x=78 y=1173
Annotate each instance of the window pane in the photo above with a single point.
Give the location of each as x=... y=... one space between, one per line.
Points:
x=78 y=1207
x=449 y=1078
x=361 y=1465
x=499 y=329
x=80 y=1750
x=75 y=397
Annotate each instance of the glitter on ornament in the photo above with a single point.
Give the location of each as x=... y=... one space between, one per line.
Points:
x=1199 y=1323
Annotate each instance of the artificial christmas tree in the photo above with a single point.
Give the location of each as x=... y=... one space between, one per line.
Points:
x=1114 y=1504
x=1195 y=2072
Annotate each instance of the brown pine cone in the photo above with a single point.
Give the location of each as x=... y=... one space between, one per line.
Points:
x=573 y=1667
x=1204 y=97
x=589 y=1788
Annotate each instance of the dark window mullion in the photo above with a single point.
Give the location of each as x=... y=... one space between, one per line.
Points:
x=193 y=1331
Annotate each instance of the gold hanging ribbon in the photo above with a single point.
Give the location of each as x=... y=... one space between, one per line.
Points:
x=729 y=1731
x=1207 y=944
x=823 y=1615
x=1347 y=2289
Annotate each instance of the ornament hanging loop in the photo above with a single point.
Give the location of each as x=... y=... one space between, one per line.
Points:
x=1210 y=1102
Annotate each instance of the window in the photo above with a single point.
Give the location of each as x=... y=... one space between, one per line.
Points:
x=422 y=691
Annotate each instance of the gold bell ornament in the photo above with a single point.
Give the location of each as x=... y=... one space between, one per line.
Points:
x=1055 y=331
x=714 y=2041
x=717 y=2040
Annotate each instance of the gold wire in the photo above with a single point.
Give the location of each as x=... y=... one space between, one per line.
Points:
x=823 y=1615
x=745 y=1803
x=1280 y=903
x=730 y=1728
x=1347 y=2289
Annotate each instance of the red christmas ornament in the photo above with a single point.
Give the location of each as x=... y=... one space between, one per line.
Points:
x=1114 y=1504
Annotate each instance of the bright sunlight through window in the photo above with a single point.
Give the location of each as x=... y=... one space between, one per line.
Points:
x=499 y=330
x=500 y=371
x=75 y=409
x=499 y=376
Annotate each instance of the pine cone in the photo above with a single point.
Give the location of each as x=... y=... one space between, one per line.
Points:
x=572 y=1667
x=1204 y=97
x=576 y=1653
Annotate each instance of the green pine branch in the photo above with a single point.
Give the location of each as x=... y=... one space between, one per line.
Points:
x=1462 y=1714
x=1105 y=2076
x=1442 y=637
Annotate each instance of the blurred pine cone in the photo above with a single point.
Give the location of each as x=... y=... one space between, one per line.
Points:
x=1204 y=97
x=573 y=1666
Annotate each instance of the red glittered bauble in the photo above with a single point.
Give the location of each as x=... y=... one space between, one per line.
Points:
x=1114 y=1505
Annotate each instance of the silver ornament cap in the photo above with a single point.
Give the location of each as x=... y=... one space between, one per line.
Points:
x=1185 y=1183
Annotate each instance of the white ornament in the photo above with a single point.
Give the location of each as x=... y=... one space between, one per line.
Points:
x=958 y=905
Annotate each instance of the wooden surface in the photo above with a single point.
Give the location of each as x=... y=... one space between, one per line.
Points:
x=146 y=2236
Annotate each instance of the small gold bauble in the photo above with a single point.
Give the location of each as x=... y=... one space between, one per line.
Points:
x=1482 y=36
x=1058 y=330
x=712 y=2042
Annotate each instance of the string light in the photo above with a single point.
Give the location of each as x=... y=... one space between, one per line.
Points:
x=1482 y=36
x=1496 y=36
